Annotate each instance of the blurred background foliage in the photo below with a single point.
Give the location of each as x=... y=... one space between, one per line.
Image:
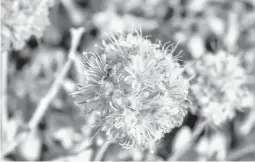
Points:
x=199 y=26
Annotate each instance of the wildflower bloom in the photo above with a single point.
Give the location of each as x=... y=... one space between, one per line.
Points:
x=137 y=90
x=218 y=86
x=20 y=19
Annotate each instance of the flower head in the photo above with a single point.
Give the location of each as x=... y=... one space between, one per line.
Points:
x=140 y=88
x=218 y=87
x=20 y=19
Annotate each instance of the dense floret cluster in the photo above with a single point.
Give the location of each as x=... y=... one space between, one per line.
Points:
x=20 y=19
x=218 y=87
x=137 y=89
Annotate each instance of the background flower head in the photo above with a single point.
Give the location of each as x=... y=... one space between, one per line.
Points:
x=139 y=86
x=20 y=19
x=218 y=87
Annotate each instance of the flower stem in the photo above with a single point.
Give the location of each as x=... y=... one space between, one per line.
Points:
x=101 y=152
x=43 y=105
x=248 y=124
x=241 y=152
x=199 y=128
x=3 y=90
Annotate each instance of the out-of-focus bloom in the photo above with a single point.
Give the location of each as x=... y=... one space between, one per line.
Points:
x=21 y=19
x=178 y=142
x=218 y=87
x=215 y=146
x=137 y=89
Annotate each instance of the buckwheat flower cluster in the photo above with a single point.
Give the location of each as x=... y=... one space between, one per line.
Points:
x=21 y=19
x=137 y=89
x=218 y=87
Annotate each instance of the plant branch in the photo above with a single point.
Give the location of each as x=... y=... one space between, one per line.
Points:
x=101 y=152
x=3 y=89
x=44 y=103
x=46 y=100
x=248 y=124
x=241 y=152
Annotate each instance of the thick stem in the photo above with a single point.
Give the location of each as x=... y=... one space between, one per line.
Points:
x=200 y=127
x=101 y=152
